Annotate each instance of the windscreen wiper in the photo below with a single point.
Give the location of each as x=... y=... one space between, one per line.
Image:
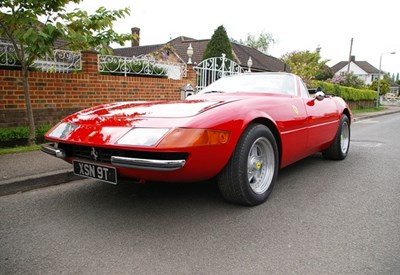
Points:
x=210 y=92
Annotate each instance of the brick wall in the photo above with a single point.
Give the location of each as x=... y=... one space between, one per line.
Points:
x=55 y=95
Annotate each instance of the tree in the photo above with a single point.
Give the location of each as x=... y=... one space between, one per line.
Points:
x=348 y=80
x=33 y=39
x=384 y=86
x=308 y=65
x=324 y=74
x=218 y=45
x=262 y=43
x=387 y=77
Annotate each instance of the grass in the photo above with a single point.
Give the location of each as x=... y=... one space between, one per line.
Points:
x=367 y=110
x=19 y=149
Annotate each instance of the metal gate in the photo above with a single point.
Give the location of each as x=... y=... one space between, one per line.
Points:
x=215 y=68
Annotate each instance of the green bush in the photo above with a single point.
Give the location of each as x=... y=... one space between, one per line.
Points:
x=348 y=80
x=347 y=93
x=14 y=133
x=384 y=86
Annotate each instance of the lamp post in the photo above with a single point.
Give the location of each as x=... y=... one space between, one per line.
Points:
x=249 y=64
x=379 y=77
x=190 y=53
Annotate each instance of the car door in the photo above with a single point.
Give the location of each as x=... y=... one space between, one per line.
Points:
x=322 y=119
x=293 y=124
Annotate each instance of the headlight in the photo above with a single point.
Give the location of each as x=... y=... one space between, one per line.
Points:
x=63 y=130
x=175 y=138
x=143 y=136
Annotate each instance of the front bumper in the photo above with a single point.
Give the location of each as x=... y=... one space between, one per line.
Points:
x=125 y=162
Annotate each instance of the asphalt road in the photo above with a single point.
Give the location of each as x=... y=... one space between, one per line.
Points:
x=323 y=217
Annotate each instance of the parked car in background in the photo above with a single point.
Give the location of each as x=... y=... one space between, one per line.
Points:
x=239 y=130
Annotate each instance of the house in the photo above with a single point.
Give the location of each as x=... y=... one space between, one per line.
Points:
x=364 y=70
x=394 y=88
x=176 y=51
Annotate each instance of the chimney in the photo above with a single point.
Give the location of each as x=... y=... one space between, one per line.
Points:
x=353 y=58
x=135 y=36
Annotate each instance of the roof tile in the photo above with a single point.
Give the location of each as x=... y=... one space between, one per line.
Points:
x=261 y=61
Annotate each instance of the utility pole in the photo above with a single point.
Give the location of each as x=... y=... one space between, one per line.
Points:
x=379 y=78
x=351 y=47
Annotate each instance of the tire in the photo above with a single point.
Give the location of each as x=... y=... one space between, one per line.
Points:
x=340 y=146
x=251 y=172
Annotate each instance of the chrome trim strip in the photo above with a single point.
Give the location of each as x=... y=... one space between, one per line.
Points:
x=49 y=149
x=148 y=164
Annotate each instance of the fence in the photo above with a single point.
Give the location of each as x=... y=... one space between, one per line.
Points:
x=63 y=61
x=141 y=65
x=214 y=68
x=55 y=95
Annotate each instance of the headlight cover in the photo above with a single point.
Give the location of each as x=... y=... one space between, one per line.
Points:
x=63 y=130
x=174 y=138
x=142 y=136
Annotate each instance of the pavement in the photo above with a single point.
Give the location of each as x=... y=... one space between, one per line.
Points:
x=31 y=170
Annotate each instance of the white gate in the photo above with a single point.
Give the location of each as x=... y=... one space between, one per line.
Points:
x=215 y=68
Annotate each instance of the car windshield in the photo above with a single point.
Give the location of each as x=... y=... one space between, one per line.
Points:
x=277 y=83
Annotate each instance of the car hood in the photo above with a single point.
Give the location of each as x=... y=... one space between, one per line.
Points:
x=107 y=123
x=125 y=112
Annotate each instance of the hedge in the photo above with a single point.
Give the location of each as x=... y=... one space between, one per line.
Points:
x=347 y=93
x=8 y=134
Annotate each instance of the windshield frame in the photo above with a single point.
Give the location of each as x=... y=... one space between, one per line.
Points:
x=271 y=83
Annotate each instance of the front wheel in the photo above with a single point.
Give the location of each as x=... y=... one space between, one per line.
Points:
x=340 y=146
x=251 y=173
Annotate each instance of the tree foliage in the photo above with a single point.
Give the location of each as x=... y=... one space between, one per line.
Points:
x=92 y=32
x=325 y=73
x=34 y=27
x=262 y=43
x=308 y=65
x=348 y=80
x=384 y=86
x=219 y=44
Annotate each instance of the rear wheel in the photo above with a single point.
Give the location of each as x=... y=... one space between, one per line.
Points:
x=251 y=173
x=340 y=146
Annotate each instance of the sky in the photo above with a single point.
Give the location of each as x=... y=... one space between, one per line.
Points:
x=295 y=25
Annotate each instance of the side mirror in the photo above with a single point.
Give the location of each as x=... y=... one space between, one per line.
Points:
x=313 y=91
x=320 y=95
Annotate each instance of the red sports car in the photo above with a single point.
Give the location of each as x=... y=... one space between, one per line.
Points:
x=240 y=130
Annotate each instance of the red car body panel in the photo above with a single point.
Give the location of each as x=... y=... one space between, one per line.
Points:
x=302 y=126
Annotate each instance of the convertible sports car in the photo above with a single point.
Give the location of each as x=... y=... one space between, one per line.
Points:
x=239 y=130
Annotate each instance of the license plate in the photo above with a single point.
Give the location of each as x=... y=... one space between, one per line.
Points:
x=95 y=171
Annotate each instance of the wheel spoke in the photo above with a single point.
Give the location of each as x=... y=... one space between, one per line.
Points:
x=344 y=137
x=259 y=173
x=251 y=172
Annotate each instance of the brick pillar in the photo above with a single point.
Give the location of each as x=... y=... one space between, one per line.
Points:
x=191 y=75
x=90 y=62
